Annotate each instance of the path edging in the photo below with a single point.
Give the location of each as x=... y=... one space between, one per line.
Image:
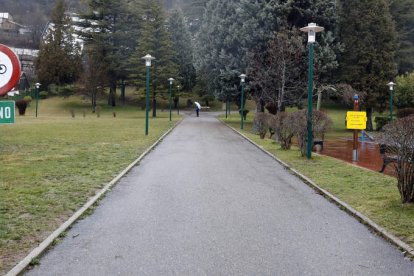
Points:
x=406 y=248
x=43 y=246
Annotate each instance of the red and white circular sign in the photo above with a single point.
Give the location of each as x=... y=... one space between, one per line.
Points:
x=9 y=69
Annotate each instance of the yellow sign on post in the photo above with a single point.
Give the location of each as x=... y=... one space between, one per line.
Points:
x=356 y=120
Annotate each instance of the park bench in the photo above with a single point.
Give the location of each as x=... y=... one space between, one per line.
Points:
x=386 y=156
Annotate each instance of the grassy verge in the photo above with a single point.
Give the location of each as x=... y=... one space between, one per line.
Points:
x=371 y=193
x=52 y=164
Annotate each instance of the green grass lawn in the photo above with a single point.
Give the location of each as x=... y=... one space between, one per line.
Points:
x=371 y=193
x=52 y=164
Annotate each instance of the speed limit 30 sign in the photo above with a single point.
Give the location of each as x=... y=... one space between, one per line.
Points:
x=9 y=69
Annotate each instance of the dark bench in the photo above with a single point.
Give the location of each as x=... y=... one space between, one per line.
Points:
x=387 y=157
x=318 y=142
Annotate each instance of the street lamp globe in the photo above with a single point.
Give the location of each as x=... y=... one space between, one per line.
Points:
x=312 y=29
x=243 y=78
x=148 y=58
x=37 y=85
x=171 y=80
x=391 y=85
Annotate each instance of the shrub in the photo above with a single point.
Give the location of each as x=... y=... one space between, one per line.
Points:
x=399 y=140
x=66 y=91
x=404 y=91
x=43 y=94
x=21 y=106
x=404 y=112
x=282 y=124
x=381 y=121
x=27 y=99
x=260 y=124
x=321 y=123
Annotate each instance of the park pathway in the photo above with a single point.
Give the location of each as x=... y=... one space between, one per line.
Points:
x=207 y=202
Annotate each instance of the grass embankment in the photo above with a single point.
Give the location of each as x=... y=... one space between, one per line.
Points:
x=52 y=164
x=371 y=193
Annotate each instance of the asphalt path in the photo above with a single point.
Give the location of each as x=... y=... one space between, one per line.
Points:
x=207 y=202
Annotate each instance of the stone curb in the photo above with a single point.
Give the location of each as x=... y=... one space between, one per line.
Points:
x=404 y=247
x=23 y=264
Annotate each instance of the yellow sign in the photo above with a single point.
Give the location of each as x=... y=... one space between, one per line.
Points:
x=356 y=120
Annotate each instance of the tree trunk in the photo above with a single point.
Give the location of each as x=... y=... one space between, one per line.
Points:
x=112 y=94
x=318 y=105
x=369 y=119
x=260 y=106
x=154 y=107
x=94 y=92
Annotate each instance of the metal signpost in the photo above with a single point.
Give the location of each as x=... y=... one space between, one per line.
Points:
x=356 y=120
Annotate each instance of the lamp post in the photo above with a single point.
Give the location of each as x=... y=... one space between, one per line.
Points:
x=37 y=96
x=311 y=29
x=391 y=86
x=178 y=99
x=148 y=58
x=243 y=80
x=171 y=82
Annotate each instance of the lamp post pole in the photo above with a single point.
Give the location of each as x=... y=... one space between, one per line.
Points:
x=243 y=80
x=37 y=96
x=310 y=105
x=148 y=58
x=311 y=29
x=178 y=99
x=171 y=82
x=227 y=106
x=391 y=86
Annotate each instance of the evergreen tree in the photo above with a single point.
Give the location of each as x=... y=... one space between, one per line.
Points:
x=368 y=34
x=59 y=59
x=182 y=45
x=403 y=13
x=229 y=30
x=110 y=27
x=193 y=11
x=155 y=40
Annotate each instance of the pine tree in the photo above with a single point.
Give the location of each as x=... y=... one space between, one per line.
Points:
x=155 y=40
x=403 y=14
x=183 y=47
x=59 y=60
x=109 y=26
x=369 y=37
x=229 y=30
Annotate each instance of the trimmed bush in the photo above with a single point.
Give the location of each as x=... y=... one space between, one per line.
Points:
x=404 y=112
x=43 y=94
x=381 y=121
x=260 y=124
x=21 y=106
x=27 y=99
x=321 y=123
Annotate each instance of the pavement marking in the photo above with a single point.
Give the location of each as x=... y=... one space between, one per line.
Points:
x=406 y=249
x=43 y=246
